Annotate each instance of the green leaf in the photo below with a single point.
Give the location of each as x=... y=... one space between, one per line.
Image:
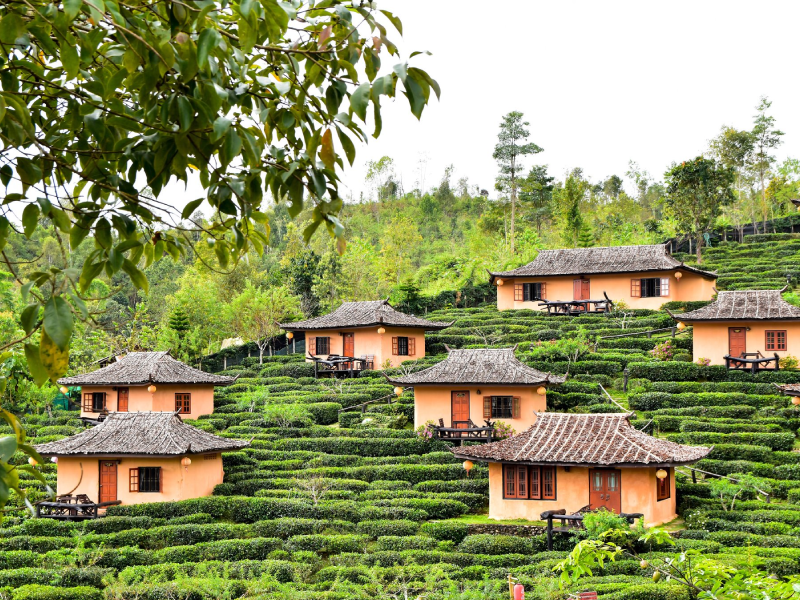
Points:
x=2 y=115
x=11 y=27
x=72 y=8
x=77 y=234
x=35 y=366
x=5 y=227
x=137 y=277
x=222 y=255
x=394 y=21
x=415 y=95
x=208 y=40
x=347 y=145
x=89 y=273
x=55 y=360
x=190 y=207
x=58 y=321
x=130 y=60
x=185 y=112
x=70 y=59
x=29 y=317
x=8 y=445
x=276 y=20
x=102 y=233
x=359 y=100
x=30 y=219
x=221 y=126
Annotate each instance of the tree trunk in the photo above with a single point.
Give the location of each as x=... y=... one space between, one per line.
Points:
x=260 y=354
x=513 y=206
x=699 y=242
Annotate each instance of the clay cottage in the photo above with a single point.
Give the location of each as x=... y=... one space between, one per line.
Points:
x=147 y=381
x=140 y=457
x=473 y=386
x=571 y=461
x=749 y=329
x=372 y=332
x=639 y=276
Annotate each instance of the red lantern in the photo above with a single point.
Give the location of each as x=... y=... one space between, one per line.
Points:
x=519 y=592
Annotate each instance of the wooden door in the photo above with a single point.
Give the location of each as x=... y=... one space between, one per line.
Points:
x=108 y=481
x=459 y=404
x=122 y=400
x=580 y=289
x=737 y=341
x=348 y=344
x=604 y=489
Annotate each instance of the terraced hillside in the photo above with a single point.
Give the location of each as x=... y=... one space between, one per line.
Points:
x=329 y=505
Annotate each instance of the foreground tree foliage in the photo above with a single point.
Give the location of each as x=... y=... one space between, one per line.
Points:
x=103 y=103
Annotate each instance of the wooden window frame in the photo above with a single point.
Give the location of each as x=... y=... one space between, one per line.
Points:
x=326 y=342
x=533 y=487
x=776 y=345
x=312 y=346
x=133 y=479
x=183 y=406
x=397 y=342
x=636 y=288
x=495 y=408
x=412 y=346
x=518 y=292
x=657 y=290
x=663 y=488
x=664 y=287
x=88 y=402
x=140 y=479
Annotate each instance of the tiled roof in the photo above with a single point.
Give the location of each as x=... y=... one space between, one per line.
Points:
x=584 y=439
x=146 y=367
x=142 y=433
x=481 y=366
x=616 y=259
x=744 y=304
x=790 y=389
x=364 y=314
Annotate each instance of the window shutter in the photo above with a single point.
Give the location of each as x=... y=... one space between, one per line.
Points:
x=548 y=483
x=160 y=479
x=636 y=288
x=510 y=481
x=543 y=293
x=412 y=346
x=515 y=408
x=394 y=346
x=522 y=482
x=312 y=346
x=535 y=484
x=526 y=292
x=87 y=403
x=518 y=292
x=133 y=480
x=487 y=407
x=104 y=401
x=665 y=286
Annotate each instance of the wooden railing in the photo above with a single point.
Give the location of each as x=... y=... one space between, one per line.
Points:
x=755 y=364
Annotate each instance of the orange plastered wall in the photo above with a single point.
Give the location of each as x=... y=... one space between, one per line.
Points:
x=617 y=286
x=432 y=402
x=368 y=342
x=710 y=339
x=140 y=400
x=638 y=495
x=179 y=482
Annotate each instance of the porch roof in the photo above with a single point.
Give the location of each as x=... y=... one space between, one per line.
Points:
x=584 y=439
x=138 y=368
x=615 y=259
x=738 y=305
x=364 y=314
x=142 y=434
x=479 y=366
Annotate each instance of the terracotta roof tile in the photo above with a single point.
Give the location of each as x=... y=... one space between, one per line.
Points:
x=744 y=304
x=615 y=259
x=481 y=366
x=364 y=314
x=142 y=433
x=146 y=367
x=581 y=439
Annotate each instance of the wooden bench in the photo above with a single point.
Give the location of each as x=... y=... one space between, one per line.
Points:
x=72 y=508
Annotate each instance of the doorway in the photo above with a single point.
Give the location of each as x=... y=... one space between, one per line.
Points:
x=459 y=409
x=348 y=344
x=581 y=289
x=122 y=400
x=737 y=341
x=108 y=481
x=604 y=489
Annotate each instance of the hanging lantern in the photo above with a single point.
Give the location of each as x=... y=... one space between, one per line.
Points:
x=398 y=391
x=289 y=335
x=541 y=390
x=661 y=474
x=151 y=388
x=499 y=282
x=681 y=325
x=54 y=459
x=795 y=400
x=467 y=464
x=678 y=275
x=64 y=390
x=32 y=461
x=186 y=461
x=381 y=330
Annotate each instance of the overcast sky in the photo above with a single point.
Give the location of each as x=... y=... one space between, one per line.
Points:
x=601 y=83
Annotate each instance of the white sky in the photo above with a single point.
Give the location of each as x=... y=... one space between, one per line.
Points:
x=601 y=83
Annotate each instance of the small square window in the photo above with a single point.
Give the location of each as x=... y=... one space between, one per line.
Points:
x=150 y=479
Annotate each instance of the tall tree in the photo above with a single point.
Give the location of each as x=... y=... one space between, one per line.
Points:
x=734 y=148
x=511 y=146
x=765 y=138
x=536 y=190
x=569 y=198
x=696 y=192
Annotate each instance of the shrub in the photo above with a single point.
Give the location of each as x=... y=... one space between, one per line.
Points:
x=327 y=544
x=494 y=544
x=324 y=413
x=51 y=592
x=393 y=527
x=446 y=530
x=412 y=542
